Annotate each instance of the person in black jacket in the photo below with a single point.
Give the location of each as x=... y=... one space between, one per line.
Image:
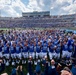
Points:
x=46 y=66
x=74 y=53
x=52 y=68
x=30 y=66
x=2 y=66
x=21 y=71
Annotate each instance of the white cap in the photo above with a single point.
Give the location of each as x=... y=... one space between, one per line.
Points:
x=45 y=56
x=30 y=56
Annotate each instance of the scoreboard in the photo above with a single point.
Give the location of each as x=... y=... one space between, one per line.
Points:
x=35 y=14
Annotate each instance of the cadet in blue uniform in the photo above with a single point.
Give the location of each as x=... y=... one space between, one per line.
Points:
x=6 y=51
x=58 y=50
x=18 y=51
x=12 y=51
x=31 y=50
x=70 y=49
x=70 y=46
x=65 y=49
x=25 y=51
x=50 y=46
x=44 y=49
x=38 y=50
x=6 y=54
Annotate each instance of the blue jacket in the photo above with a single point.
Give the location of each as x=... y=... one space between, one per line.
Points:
x=38 y=68
x=73 y=70
x=13 y=71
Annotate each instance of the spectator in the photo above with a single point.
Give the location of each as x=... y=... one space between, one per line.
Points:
x=2 y=66
x=21 y=71
x=17 y=71
x=74 y=69
x=66 y=71
x=38 y=69
x=74 y=54
x=52 y=69
x=30 y=72
x=46 y=68
x=14 y=71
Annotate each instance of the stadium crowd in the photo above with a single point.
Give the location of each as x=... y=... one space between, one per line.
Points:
x=52 y=21
x=16 y=46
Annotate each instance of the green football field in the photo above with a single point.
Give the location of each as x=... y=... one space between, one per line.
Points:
x=71 y=28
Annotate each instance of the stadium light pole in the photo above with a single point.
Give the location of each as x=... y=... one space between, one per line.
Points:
x=51 y=10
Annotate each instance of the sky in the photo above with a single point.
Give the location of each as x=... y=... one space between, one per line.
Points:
x=14 y=8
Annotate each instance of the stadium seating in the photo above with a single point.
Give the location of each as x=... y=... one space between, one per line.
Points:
x=52 y=21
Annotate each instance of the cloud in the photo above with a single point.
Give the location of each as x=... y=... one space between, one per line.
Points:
x=56 y=7
x=45 y=4
x=70 y=9
x=63 y=7
x=33 y=6
x=14 y=9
